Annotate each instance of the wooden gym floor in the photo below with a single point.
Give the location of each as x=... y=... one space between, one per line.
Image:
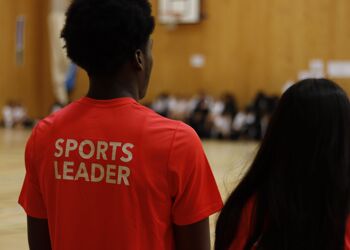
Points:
x=228 y=160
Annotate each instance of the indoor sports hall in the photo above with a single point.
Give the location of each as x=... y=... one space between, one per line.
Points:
x=219 y=66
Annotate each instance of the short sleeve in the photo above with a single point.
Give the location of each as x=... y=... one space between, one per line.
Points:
x=191 y=182
x=347 y=235
x=31 y=197
x=244 y=229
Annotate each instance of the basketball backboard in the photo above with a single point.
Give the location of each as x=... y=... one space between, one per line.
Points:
x=179 y=11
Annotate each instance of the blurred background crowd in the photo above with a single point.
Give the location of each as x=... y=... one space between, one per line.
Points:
x=219 y=118
x=210 y=117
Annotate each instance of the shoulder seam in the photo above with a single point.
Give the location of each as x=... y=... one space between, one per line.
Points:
x=32 y=169
x=32 y=156
x=169 y=155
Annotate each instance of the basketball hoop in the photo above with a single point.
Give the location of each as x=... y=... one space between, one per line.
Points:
x=173 y=20
x=175 y=12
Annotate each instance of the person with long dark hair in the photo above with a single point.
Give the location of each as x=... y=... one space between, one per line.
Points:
x=296 y=194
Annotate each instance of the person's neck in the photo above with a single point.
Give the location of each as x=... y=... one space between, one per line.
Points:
x=104 y=89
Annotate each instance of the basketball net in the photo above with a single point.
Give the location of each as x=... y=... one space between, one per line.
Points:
x=174 y=19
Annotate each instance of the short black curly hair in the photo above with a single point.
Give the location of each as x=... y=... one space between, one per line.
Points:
x=102 y=35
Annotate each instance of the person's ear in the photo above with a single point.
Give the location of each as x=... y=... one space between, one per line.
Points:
x=139 y=60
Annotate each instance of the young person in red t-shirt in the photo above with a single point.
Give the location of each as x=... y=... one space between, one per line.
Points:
x=296 y=194
x=106 y=172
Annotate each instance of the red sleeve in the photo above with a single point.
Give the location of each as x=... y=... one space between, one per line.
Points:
x=192 y=185
x=31 y=197
x=244 y=228
x=347 y=235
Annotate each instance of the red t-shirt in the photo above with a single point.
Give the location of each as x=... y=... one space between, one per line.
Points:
x=115 y=175
x=244 y=229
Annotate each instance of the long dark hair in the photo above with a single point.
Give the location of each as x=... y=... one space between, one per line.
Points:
x=300 y=178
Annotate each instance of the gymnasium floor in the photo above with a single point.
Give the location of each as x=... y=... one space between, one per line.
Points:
x=228 y=160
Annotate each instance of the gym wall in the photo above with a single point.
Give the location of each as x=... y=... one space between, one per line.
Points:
x=248 y=46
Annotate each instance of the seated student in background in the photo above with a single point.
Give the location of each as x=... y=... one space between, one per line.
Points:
x=296 y=194
x=106 y=173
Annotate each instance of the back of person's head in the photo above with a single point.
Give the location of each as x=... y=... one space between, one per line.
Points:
x=300 y=178
x=103 y=35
